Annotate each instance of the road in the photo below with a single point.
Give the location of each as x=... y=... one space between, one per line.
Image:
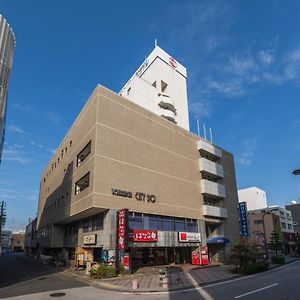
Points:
x=23 y=278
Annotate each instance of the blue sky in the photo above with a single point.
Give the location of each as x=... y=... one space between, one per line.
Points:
x=243 y=62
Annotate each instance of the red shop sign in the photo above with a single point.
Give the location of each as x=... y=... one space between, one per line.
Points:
x=136 y=235
x=122 y=228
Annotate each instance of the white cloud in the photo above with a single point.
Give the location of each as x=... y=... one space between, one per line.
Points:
x=229 y=88
x=15 y=129
x=23 y=108
x=36 y=145
x=246 y=157
x=54 y=118
x=16 y=154
x=200 y=109
x=265 y=57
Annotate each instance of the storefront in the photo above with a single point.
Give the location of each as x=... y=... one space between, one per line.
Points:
x=216 y=248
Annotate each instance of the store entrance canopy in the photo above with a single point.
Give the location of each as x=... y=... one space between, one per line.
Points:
x=218 y=240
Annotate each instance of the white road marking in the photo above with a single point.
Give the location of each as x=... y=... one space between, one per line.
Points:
x=201 y=291
x=255 y=291
x=209 y=285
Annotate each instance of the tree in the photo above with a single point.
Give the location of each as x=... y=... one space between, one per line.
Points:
x=276 y=243
x=245 y=253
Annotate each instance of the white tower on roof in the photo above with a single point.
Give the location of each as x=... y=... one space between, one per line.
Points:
x=159 y=85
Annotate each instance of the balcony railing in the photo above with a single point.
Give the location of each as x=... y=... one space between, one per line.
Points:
x=168 y=114
x=212 y=188
x=209 y=148
x=214 y=211
x=211 y=167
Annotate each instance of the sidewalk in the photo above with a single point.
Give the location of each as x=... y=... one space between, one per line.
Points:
x=177 y=277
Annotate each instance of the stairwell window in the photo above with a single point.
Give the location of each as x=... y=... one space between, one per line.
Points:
x=84 y=153
x=82 y=183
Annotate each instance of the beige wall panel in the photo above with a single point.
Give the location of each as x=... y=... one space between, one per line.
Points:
x=125 y=117
x=174 y=195
x=121 y=147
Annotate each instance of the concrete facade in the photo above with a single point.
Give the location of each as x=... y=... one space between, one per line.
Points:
x=159 y=85
x=7 y=47
x=119 y=155
x=260 y=223
x=295 y=210
x=256 y=198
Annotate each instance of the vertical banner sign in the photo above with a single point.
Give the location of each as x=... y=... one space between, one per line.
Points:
x=243 y=219
x=122 y=229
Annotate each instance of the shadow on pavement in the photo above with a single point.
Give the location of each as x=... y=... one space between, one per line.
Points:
x=21 y=275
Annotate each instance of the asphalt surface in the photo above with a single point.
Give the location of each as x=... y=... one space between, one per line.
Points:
x=20 y=275
x=24 y=279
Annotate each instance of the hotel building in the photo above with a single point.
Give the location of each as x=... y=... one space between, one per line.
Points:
x=7 y=47
x=129 y=176
x=179 y=189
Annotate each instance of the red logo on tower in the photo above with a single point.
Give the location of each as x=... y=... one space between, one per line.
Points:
x=172 y=62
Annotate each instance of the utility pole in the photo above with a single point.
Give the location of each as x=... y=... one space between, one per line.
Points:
x=2 y=220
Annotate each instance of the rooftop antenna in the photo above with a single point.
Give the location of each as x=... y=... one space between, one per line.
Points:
x=211 y=137
x=155 y=42
x=204 y=130
x=198 y=129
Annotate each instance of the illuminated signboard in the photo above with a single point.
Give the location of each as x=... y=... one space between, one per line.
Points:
x=189 y=237
x=89 y=239
x=122 y=228
x=136 y=235
x=243 y=219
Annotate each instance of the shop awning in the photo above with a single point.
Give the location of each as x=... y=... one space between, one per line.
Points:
x=218 y=240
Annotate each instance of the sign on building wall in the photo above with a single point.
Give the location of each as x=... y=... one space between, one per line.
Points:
x=89 y=239
x=189 y=237
x=122 y=228
x=136 y=235
x=144 y=197
x=243 y=219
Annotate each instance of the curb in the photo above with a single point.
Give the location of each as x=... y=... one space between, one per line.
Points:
x=162 y=290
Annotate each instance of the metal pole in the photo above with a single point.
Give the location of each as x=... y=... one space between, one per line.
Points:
x=265 y=239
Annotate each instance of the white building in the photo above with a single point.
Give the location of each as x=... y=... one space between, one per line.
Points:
x=255 y=198
x=159 y=85
x=286 y=221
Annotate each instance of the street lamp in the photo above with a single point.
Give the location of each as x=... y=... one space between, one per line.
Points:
x=296 y=172
x=264 y=232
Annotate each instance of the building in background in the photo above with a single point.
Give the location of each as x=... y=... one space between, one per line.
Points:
x=5 y=241
x=7 y=47
x=159 y=85
x=263 y=224
x=294 y=208
x=285 y=222
x=17 y=242
x=255 y=198
x=178 y=189
x=30 y=238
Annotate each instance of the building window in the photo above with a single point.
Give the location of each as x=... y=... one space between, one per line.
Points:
x=163 y=86
x=289 y=226
x=84 y=153
x=82 y=183
x=93 y=223
x=135 y=220
x=128 y=91
x=257 y=222
x=191 y=226
x=179 y=224
x=70 y=144
x=283 y=225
